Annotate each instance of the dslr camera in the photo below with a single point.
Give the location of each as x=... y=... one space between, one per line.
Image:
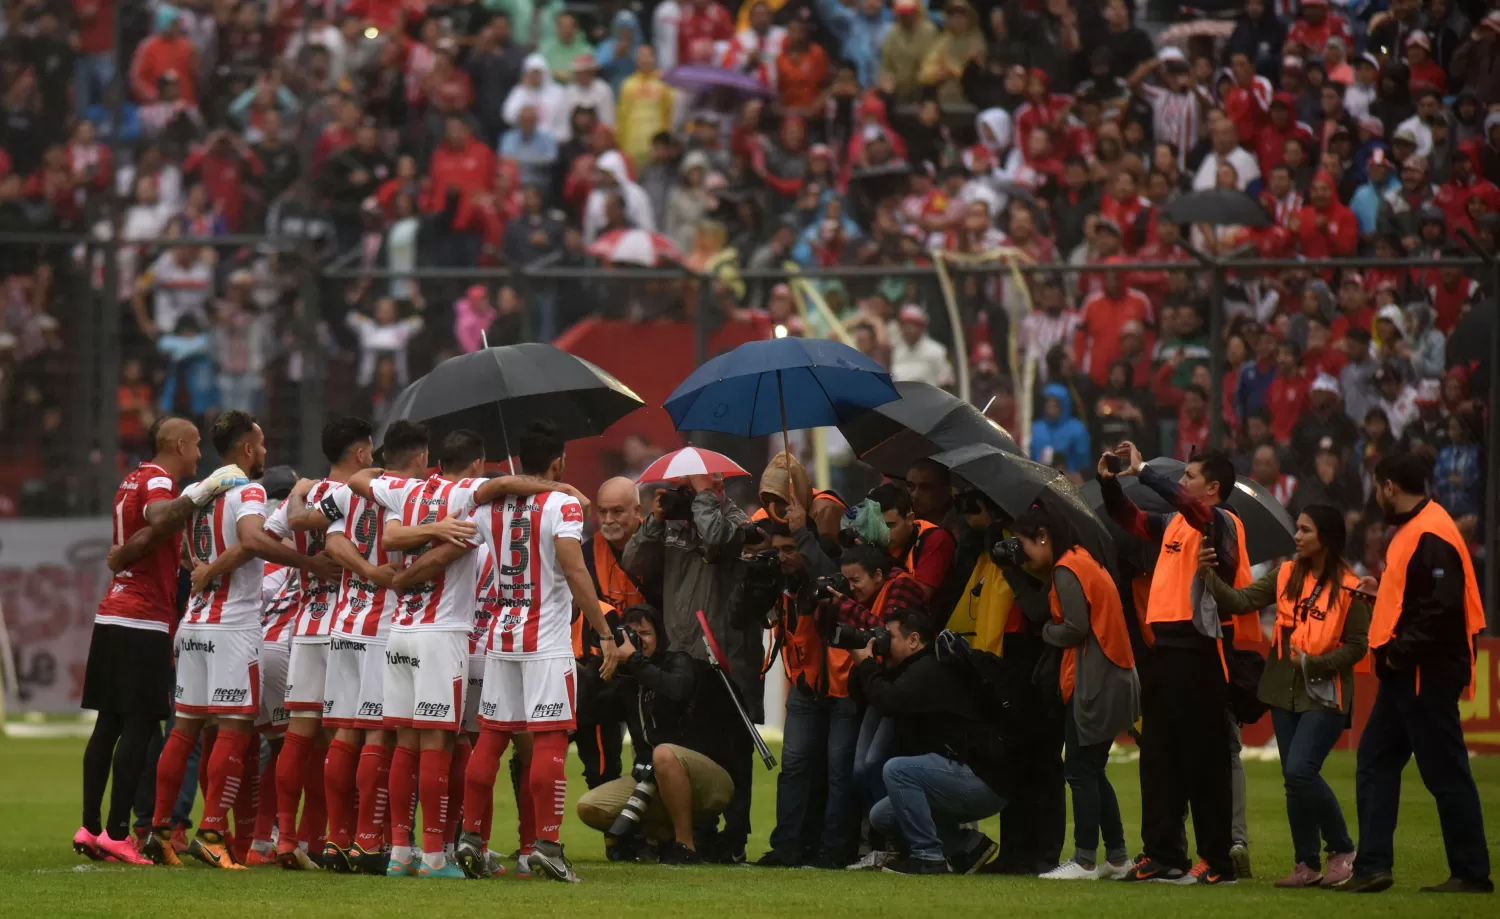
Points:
x=626 y=825
x=677 y=503
x=825 y=586
x=1008 y=552
x=848 y=638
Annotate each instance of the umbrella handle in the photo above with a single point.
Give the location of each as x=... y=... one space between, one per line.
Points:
x=786 y=446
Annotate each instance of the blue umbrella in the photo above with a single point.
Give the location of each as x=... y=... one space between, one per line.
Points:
x=783 y=384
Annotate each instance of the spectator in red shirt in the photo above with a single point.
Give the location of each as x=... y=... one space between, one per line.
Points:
x=1321 y=356
x=1192 y=423
x=801 y=72
x=95 y=67
x=1125 y=207
x=1286 y=399
x=703 y=22
x=1314 y=26
x=1282 y=126
x=1325 y=228
x=225 y=165
x=1355 y=311
x=338 y=135
x=1096 y=345
x=1247 y=103
x=926 y=551
x=461 y=168
x=168 y=49
x=1452 y=295
x=1426 y=73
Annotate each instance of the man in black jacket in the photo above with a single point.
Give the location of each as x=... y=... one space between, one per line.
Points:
x=677 y=723
x=948 y=761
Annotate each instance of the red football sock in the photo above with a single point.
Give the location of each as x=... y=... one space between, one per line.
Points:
x=479 y=777
x=246 y=804
x=457 y=801
x=338 y=785
x=433 y=782
x=170 y=769
x=204 y=755
x=403 y=794
x=313 y=829
x=525 y=810
x=226 y=769
x=291 y=767
x=265 y=816
x=549 y=782
x=372 y=778
x=487 y=813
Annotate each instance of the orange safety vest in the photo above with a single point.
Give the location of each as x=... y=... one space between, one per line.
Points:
x=1431 y=519
x=615 y=586
x=908 y=559
x=578 y=649
x=1106 y=617
x=822 y=670
x=1315 y=627
x=817 y=496
x=1177 y=565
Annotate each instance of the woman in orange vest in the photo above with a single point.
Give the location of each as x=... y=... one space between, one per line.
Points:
x=1422 y=637
x=1321 y=632
x=1098 y=684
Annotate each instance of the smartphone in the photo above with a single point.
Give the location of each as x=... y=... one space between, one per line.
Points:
x=1112 y=463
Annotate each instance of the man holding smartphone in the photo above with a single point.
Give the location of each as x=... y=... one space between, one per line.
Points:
x=1186 y=752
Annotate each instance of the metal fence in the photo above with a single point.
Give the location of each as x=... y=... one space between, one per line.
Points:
x=64 y=443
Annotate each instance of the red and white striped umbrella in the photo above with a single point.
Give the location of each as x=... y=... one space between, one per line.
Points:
x=689 y=461
x=635 y=247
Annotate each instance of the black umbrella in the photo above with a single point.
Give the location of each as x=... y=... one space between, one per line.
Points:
x=924 y=421
x=882 y=181
x=1015 y=483
x=497 y=392
x=1220 y=207
x=1268 y=527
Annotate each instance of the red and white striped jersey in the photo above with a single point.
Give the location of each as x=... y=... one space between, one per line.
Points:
x=143 y=596
x=315 y=615
x=534 y=603
x=230 y=601
x=1175 y=118
x=486 y=601
x=280 y=597
x=446 y=603
x=1283 y=488
x=364 y=607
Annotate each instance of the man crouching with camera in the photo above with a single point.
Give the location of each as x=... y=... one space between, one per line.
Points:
x=948 y=759
x=679 y=775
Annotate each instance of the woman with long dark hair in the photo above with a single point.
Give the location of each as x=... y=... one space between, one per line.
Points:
x=1097 y=679
x=1322 y=631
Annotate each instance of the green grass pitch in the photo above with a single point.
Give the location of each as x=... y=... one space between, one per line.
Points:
x=40 y=876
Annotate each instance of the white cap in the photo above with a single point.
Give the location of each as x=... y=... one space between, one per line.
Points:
x=1325 y=383
x=1171 y=54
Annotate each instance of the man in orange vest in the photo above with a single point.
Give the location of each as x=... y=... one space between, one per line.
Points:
x=924 y=549
x=1427 y=613
x=822 y=722
x=1186 y=747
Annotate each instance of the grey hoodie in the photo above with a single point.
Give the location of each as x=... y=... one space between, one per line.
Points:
x=1428 y=345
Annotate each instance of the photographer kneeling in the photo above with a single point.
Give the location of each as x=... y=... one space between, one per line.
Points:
x=943 y=745
x=680 y=755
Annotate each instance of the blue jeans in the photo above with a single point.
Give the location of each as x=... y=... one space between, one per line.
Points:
x=928 y=798
x=1312 y=809
x=92 y=74
x=1095 y=807
x=877 y=738
x=818 y=744
x=241 y=391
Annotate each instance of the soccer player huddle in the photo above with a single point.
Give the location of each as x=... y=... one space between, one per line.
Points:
x=387 y=631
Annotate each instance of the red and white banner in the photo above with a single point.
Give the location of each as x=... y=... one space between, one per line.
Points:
x=52 y=576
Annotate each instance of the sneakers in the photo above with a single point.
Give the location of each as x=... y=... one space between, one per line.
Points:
x=399 y=868
x=1302 y=876
x=874 y=860
x=1340 y=869
x=905 y=864
x=158 y=848
x=493 y=864
x=679 y=854
x=365 y=862
x=1239 y=853
x=1206 y=876
x=119 y=850
x=1113 y=871
x=209 y=848
x=336 y=859
x=87 y=845
x=260 y=857
x=1366 y=883
x=548 y=859
x=976 y=857
x=1147 y=869
x=773 y=859
x=1452 y=885
x=447 y=871
x=1071 y=871
x=470 y=855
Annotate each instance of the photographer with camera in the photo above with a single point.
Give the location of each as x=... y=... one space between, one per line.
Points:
x=822 y=721
x=682 y=751
x=1097 y=681
x=925 y=550
x=948 y=756
x=692 y=542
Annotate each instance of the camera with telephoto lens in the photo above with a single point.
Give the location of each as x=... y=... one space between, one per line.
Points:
x=848 y=638
x=1008 y=552
x=677 y=503
x=629 y=819
x=825 y=586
